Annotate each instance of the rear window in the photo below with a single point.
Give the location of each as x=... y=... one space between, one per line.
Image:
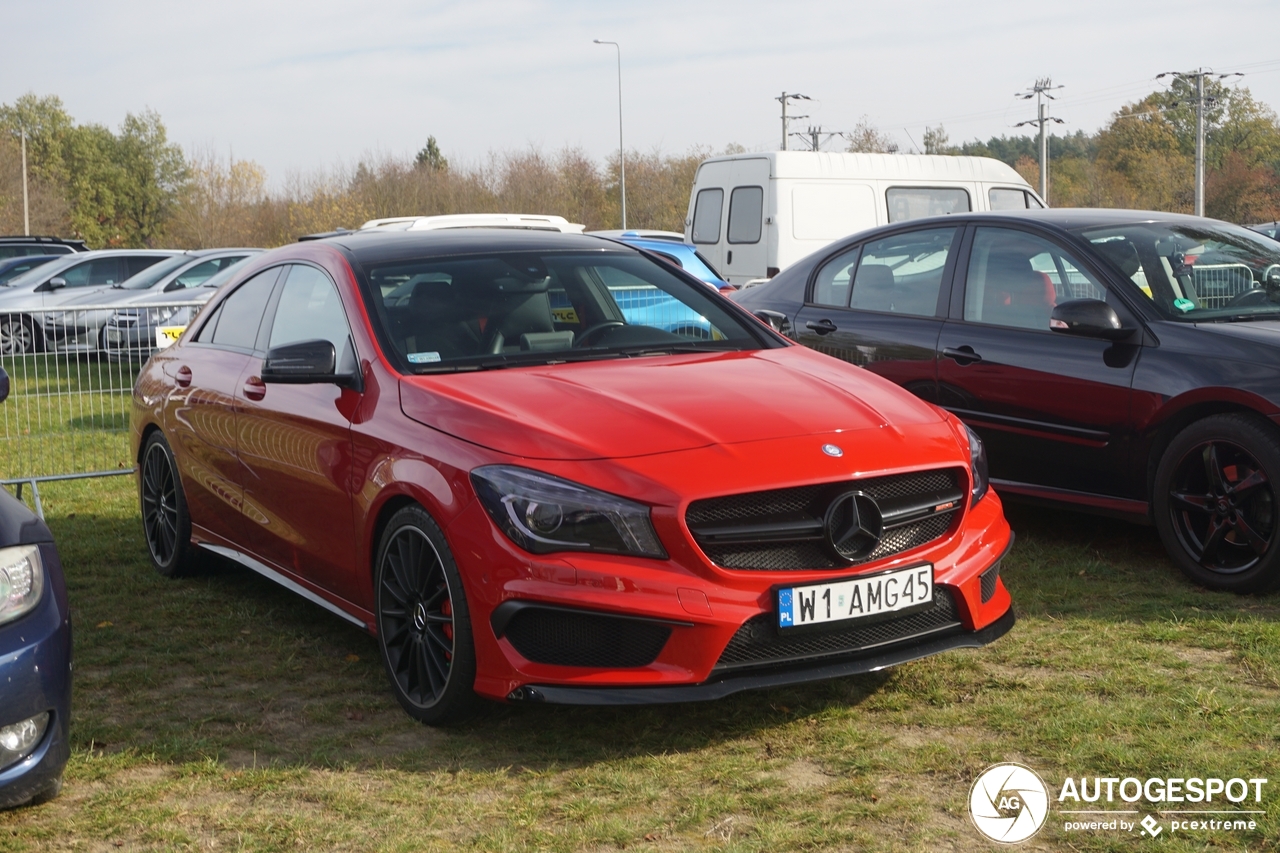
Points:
x=746 y=210
x=916 y=202
x=706 y=215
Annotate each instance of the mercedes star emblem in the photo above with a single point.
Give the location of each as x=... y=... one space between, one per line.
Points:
x=852 y=527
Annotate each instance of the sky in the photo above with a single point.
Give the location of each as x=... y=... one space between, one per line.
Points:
x=304 y=87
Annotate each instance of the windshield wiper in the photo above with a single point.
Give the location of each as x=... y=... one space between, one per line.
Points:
x=499 y=362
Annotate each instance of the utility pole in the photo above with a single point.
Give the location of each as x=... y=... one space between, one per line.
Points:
x=26 y=216
x=814 y=136
x=1040 y=91
x=784 y=97
x=1201 y=102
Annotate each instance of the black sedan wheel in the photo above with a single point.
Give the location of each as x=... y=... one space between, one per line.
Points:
x=424 y=626
x=1216 y=502
x=164 y=510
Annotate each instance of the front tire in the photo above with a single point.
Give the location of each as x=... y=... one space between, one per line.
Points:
x=424 y=624
x=165 y=520
x=19 y=336
x=1217 y=502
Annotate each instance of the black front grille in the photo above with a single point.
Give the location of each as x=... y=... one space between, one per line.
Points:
x=781 y=529
x=758 y=641
x=568 y=638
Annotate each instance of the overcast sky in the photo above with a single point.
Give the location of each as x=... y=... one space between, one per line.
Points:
x=299 y=86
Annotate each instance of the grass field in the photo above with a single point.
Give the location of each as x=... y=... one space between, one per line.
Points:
x=222 y=712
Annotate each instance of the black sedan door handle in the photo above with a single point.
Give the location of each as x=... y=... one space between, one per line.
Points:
x=822 y=327
x=962 y=355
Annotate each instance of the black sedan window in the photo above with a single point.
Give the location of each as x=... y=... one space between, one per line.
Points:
x=1016 y=279
x=1199 y=271
x=901 y=274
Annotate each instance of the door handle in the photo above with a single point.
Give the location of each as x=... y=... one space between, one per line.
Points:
x=822 y=327
x=183 y=378
x=730 y=258
x=254 y=388
x=962 y=355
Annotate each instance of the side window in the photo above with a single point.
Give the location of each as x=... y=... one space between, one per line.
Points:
x=241 y=312
x=1033 y=203
x=902 y=274
x=914 y=202
x=832 y=285
x=198 y=274
x=137 y=264
x=706 y=216
x=746 y=212
x=309 y=309
x=93 y=273
x=205 y=335
x=1004 y=199
x=1016 y=278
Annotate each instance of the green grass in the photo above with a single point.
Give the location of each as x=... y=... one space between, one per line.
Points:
x=222 y=711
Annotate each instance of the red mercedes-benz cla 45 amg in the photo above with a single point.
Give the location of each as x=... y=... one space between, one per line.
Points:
x=549 y=467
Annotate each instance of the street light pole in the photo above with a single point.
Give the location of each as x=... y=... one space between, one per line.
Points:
x=622 y=157
x=26 y=217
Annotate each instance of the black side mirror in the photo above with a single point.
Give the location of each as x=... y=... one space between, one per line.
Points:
x=776 y=320
x=300 y=363
x=4 y=385
x=1090 y=318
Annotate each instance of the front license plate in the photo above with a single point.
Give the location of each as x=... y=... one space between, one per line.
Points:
x=855 y=598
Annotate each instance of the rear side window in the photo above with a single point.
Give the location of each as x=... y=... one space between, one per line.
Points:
x=241 y=313
x=746 y=210
x=916 y=202
x=137 y=264
x=706 y=215
x=902 y=274
x=832 y=286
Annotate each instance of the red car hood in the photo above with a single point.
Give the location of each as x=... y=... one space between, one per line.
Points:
x=659 y=404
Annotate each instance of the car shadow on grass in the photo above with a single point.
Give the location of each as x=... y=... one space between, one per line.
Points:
x=231 y=667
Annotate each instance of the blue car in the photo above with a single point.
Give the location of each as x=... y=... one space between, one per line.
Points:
x=671 y=247
x=35 y=656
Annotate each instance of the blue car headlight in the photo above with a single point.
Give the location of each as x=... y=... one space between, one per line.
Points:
x=542 y=514
x=21 y=581
x=978 y=465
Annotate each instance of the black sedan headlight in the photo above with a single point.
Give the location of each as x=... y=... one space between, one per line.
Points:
x=978 y=465
x=542 y=514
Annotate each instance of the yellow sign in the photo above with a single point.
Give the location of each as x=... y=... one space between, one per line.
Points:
x=564 y=315
x=166 y=335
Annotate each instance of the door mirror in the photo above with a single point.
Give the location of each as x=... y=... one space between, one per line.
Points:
x=300 y=363
x=56 y=282
x=776 y=320
x=1090 y=318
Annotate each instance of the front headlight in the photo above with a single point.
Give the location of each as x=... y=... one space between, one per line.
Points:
x=541 y=513
x=161 y=315
x=978 y=465
x=21 y=581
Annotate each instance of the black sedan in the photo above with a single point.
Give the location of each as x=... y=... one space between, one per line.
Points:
x=1121 y=362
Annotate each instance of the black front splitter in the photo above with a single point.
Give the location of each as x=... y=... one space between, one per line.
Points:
x=718 y=687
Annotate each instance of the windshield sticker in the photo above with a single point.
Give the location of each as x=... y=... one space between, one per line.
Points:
x=1184 y=305
x=423 y=357
x=564 y=315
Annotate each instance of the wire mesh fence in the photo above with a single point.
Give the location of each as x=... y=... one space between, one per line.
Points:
x=71 y=375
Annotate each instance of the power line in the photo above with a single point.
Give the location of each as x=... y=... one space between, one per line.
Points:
x=784 y=97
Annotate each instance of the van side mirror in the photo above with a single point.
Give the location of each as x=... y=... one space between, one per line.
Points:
x=1089 y=318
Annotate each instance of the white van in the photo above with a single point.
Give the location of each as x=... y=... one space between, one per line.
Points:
x=753 y=214
x=519 y=221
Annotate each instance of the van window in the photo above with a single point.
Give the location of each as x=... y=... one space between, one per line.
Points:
x=706 y=216
x=746 y=209
x=914 y=202
x=1002 y=199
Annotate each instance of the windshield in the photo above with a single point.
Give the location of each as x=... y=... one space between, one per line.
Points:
x=152 y=274
x=1201 y=271
x=13 y=269
x=506 y=310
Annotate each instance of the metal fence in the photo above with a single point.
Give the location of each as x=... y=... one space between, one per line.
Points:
x=71 y=375
x=1218 y=284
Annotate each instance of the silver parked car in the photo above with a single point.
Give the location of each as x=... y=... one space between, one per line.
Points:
x=75 y=327
x=25 y=300
x=130 y=331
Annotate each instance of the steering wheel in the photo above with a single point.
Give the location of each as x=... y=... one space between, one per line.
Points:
x=591 y=331
x=1256 y=296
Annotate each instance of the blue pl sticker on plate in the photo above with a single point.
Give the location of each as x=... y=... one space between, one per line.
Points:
x=784 y=608
x=423 y=357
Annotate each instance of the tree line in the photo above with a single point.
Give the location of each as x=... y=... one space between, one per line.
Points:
x=133 y=187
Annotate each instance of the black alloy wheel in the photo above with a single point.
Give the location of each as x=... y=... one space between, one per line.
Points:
x=1216 y=502
x=165 y=521
x=424 y=628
